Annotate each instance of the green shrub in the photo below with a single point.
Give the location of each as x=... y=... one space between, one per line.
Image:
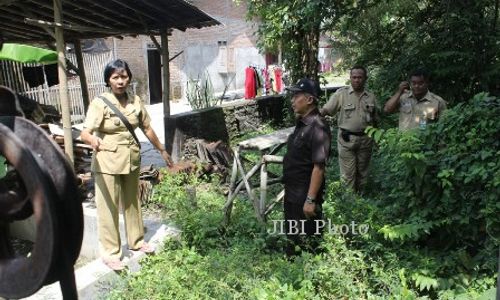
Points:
x=433 y=200
x=431 y=207
x=444 y=182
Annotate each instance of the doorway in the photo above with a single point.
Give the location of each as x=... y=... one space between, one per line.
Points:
x=154 y=75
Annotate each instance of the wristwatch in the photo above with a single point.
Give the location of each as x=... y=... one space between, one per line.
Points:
x=310 y=200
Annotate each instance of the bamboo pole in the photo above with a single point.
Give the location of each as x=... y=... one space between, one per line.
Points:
x=166 y=74
x=82 y=75
x=63 y=83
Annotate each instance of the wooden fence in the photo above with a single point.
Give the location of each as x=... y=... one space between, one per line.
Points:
x=11 y=75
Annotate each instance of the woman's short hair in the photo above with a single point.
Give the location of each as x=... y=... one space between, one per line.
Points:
x=113 y=66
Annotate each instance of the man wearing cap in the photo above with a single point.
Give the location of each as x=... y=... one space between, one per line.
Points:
x=355 y=109
x=418 y=106
x=304 y=164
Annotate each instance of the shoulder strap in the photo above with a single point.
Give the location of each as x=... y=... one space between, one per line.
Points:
x=122 y=117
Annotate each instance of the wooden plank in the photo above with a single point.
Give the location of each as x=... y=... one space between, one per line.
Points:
x=267 y=141
x=68 y=16
x=95 y=12
x=16 y=30
x=135 y=10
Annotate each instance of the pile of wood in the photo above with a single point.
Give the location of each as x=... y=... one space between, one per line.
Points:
x=216 y=157
x=82 y=152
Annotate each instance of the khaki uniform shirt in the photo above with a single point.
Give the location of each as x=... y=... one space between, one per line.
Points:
x=413 y=112
x=354 y=113
x=119 y=152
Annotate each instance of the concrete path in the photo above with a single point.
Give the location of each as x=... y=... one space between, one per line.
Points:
x=94 y=279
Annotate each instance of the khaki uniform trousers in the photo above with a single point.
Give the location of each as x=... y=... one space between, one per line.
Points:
x=110 y=190
x=354 y=159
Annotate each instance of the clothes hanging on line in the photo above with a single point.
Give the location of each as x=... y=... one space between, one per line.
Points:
x=276 y=78
x=263 y=81
x=278 y=74
x=254 y=82
x=250 y=90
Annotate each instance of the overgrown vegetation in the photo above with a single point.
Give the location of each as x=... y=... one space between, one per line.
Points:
x=456 y=40
x=3 y=166
x=200 y=93
x=432 y=210
x=292 y=27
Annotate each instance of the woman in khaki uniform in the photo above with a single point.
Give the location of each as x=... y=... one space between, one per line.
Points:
x=116 y=162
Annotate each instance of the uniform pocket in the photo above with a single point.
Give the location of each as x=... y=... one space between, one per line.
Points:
x=405 y=108
x=107 y=147
x=348 y=109
x=369 y=108
x=132 y=118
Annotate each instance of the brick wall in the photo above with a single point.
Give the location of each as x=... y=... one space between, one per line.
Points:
x=201 y=50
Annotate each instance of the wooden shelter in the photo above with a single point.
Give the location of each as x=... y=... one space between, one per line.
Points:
x=60 y=21
x=88 y=19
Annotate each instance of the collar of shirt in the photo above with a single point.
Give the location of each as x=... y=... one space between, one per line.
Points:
x=307 y=119
x=111 y=97
x=427 y=96
x=351 y=90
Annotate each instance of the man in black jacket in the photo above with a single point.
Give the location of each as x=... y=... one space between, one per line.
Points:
x=304 y=164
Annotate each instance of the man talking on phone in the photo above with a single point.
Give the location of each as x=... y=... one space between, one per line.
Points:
x=417 y=105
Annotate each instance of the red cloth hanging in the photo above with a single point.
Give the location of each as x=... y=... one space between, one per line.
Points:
x=278 y=74
x=267 y=81
x=250 y=91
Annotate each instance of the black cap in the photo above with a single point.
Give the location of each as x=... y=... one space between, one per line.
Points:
x=305 y=85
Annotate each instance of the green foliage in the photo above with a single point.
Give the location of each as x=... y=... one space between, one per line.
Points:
x=444 y=180
x=431 y=207
x=434 y=196
x=292 y=27
x=242 y=261
x=3 y=166
x=200 y=93
x=456 y=40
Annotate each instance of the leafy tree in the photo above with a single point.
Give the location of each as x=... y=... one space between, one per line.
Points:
x=294 y=27
x=458 y=41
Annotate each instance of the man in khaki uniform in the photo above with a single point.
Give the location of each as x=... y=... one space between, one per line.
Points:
x=356 y=109
x=417 y=107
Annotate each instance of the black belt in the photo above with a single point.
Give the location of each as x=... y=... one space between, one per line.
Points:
x=346 y=134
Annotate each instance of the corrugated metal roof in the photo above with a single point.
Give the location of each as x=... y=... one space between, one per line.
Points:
x=87 y=19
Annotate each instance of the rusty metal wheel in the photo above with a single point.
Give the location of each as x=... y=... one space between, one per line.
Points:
x=23 y=276
x=67 y=204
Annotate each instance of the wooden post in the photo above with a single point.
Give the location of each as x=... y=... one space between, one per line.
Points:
x=63 y=82
x=165 y=73
x=82 y=75
x=263 y=188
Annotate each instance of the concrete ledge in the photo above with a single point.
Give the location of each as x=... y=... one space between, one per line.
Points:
x=95 y=279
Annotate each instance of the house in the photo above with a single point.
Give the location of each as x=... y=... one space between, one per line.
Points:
x=223 y=52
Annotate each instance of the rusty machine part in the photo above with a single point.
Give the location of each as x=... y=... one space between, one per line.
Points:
x=47 y=188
